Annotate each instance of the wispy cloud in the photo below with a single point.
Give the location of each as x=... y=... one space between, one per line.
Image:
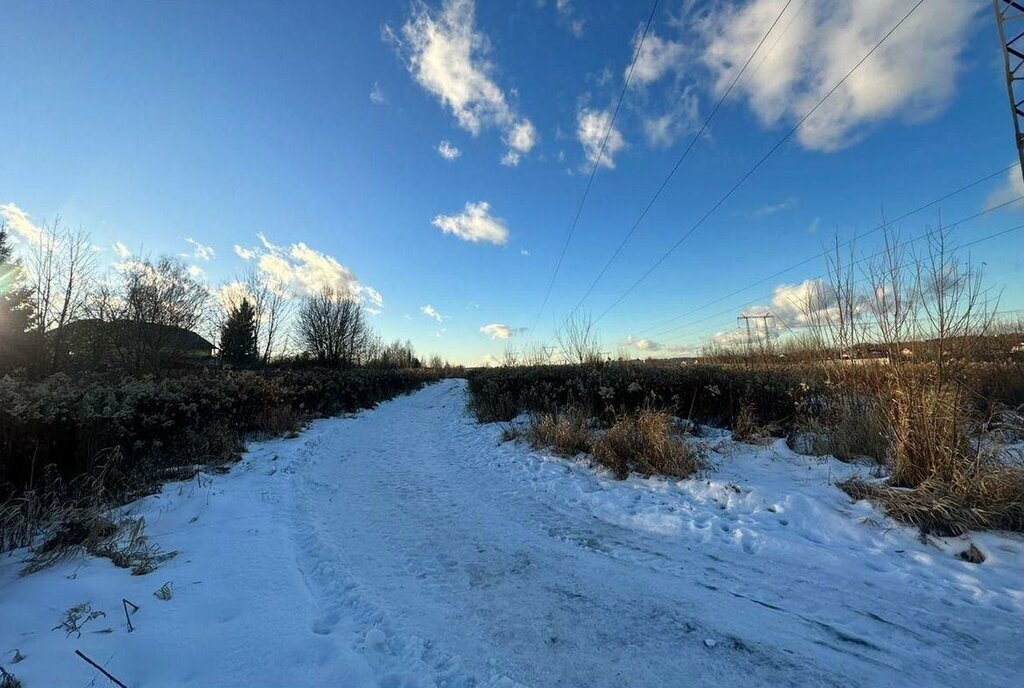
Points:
x=1012 y=187
x=591 y=126
x=501 y=331
x=431 y=312
x=447 y=151
x=122 y=251
x=244 y=253
x=200 y=251
x=772 y=208
x=657 y=57
x=447 y=56
x=474 y=224
x=20 y=223
x=299 y=270
x=377 y=96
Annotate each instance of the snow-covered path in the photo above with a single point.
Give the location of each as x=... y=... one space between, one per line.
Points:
x=505 y=565
x=406 y=546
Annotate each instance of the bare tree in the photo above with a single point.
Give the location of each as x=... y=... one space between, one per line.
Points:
x=577 y=339
x=62 y=266
x=146 y=313
x=333 y=330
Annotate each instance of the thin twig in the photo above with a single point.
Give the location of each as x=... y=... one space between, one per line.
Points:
x=100 y=669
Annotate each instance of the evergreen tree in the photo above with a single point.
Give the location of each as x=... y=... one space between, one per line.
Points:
x=15 y=309
x=238 y=335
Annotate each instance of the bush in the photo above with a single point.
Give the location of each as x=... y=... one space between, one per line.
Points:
x=704 y=394
x=647 y=443
x=567 y=433
x=128 y=434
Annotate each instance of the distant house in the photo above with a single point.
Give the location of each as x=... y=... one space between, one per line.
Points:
x=130 y=344
x=1017 y=348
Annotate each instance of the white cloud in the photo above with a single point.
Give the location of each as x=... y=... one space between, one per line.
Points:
x=591 y=128
x=299 y=270
x=474 y=224
x=20 y=223
x=431 y=312
x=664 y=130
x=230 y=295
x=244 y=253
x=1011 y=188
x=447 y=151
x=122 y=251
x=794 y=305
x=523 y=137
x=652 y=348
x=812 y=50
x=772 y=208
x=523 y=252
x=500 y=331
x=657 y=57
x=195 y=272
x=199 y=251
x=814 y=226
x=377 y=96
x=511 y=159
x=490 y=361
x=448 y=57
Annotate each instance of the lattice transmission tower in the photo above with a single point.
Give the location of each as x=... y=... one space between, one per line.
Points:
x=1010 y=22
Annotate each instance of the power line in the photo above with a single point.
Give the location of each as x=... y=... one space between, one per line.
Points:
x=810 y=259
x=679 y=162
x=974 y=242
x=756 y=166
x=593 y=170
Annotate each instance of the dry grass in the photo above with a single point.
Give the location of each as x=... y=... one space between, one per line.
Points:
x=746 y=428
x=647 y=442
x=566 y=433
x=991 y=499
x=8 y=680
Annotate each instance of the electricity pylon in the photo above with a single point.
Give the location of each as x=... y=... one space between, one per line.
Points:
x=1011 y=12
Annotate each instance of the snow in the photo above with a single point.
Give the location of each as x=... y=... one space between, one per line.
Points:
x=406 y=546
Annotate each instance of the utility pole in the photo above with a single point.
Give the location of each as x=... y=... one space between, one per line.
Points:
x=763 y=317
x=1007 y=12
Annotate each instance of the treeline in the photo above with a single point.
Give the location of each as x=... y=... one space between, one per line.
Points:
x=58 y=313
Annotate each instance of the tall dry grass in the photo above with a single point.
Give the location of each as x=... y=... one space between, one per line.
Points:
x=649 y=443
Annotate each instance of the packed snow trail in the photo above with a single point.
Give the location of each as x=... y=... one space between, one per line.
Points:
x=490 y=561
x=407 y=547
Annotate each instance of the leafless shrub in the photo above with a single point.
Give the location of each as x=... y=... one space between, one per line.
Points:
x=165 y=592
x=577 y=339
x=648 y=443
x=929 y=315
x=567 y=433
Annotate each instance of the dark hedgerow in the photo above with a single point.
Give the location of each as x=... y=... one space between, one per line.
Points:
x=704 y=394
x=69 y=424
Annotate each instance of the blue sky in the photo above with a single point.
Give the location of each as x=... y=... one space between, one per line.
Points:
x=308 y=134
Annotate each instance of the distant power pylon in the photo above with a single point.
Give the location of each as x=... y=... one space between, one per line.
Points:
x=1011 y=12
x=762 y=339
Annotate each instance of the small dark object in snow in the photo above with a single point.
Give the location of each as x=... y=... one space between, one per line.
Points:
x=973 y=555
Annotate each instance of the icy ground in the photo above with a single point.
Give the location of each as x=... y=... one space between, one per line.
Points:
x=406 y=547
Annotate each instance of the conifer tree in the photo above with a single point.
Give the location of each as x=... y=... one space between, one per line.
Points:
x=238 y=335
